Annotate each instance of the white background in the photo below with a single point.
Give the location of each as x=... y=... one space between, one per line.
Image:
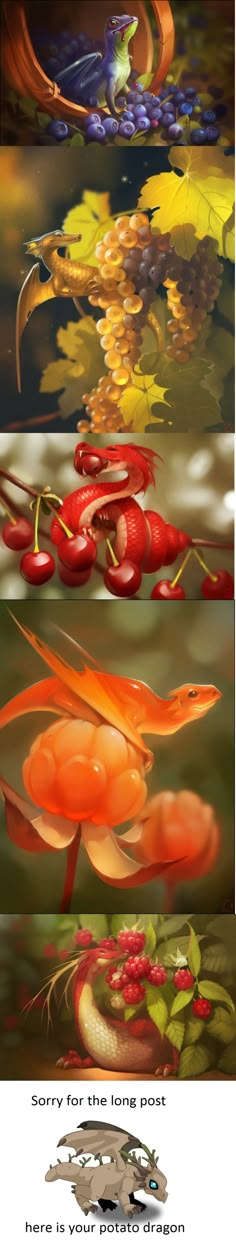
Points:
x=193 y=1135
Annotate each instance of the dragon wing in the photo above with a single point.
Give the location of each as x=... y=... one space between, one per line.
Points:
x=80 y=75
x=32 y=294
x=93 y=1137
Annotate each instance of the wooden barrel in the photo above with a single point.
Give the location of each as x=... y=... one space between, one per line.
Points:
x=23 y=72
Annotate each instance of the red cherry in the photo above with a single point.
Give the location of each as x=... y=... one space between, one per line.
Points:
x=78 y=552
x=19 y=534
x=164 y=592
x=37 y=567
x=123 y=580
x=222 y=589
x=73 y=578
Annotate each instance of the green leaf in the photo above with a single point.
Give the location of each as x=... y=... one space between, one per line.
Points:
x=159 y=1015
x=175 y=1033
x=227 y=1061
x=173 y=923
x=43 y=120
x=121 y=921
x=129 y=1013
x=216 y=958
x=194 y=953
x=194 y=1061
x=150 y=942
x=77 y=141
x=193 y=1031
x=27 y=106
x=96 y=923
x=222 y=1025
x=182 y=1000
x=215 y=992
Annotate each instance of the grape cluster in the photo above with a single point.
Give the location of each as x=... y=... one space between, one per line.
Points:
x=192 y=288
x=132 y=264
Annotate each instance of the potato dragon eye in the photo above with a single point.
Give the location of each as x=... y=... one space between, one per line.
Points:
x=153 y=1184
x=192 y=693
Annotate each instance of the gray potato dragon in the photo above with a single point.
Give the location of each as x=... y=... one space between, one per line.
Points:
x=113 y=1181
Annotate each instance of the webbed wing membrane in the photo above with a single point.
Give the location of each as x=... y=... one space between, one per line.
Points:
x=80 y=75
x=100 y=1138
x=32 y=294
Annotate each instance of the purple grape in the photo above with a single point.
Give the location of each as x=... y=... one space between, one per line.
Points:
x=154 y=275
x=179 y=97
x=190 y=92
x=111 y=126
x=175 y=131
x=208 y=116
x=58 y=130
x=185 y=108
x=149 y=252
x=128 y=116
x=121 y=102
x=146 y=296
x=140 y=110
x=97 y=131
x=140 y=87
x=157 y=114
x=167 y=108
x=212 y=134
x=198 y=135
x=126 y=130
x=91 y=119
x=142 y=124
x=154 y=124
x=144 y=271
x=168 y=120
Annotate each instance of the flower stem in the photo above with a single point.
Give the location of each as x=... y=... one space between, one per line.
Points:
x=72 y=856
x=18 y=483
x=182 y=567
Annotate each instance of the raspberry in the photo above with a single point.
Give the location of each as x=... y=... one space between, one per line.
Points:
x=157 y=975
x=133 y=993
x=137 y=967
x=108 y=942
x=183 y=979
x=116 y=979
x=202 y=1008
x=83 y=937
x=132 y=942
x=63 y=954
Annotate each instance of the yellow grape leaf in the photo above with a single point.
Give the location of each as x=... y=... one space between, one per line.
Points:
x=78 y=371
x=137 y=400
x=203 y=196
x=92 y=218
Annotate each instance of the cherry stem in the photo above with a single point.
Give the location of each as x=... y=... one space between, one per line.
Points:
x=111 y=551
x=182 y=567
x=18 y=483
x=72 y=856
x=36 y=524
x=7 y=510
x=208 y=572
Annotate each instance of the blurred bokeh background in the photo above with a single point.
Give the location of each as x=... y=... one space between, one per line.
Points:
x=194 y=491
x=164 y=645
x=33 y=947
x=38 y=187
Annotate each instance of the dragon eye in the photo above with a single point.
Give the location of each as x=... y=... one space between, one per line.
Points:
x=153 y=1184
x=192 y=693
x=113 y=22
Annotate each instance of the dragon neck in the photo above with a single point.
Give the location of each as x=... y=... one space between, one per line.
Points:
x=102 y=494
